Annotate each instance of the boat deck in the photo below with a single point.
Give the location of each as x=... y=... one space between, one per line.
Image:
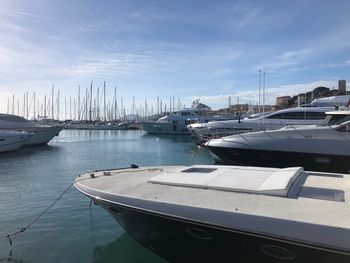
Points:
x=242 y=196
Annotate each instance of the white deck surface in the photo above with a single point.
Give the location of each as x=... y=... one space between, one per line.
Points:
x=135 y=185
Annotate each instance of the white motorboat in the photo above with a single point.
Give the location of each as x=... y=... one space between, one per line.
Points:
x=41 y=134
x=207 y=213
x=271 y=121
x=322 y=148
x=177 y=121
x=12 y=140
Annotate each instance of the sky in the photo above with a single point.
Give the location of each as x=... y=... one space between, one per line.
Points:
x=186 y=49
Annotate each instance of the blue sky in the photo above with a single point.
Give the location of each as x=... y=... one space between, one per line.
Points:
x=187 y=49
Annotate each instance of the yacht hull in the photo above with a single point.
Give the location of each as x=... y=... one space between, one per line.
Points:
x=181 y=240
x=43 y=135
x=165 y=128
x=14 y=142
x=40 y=135
x=281 y=159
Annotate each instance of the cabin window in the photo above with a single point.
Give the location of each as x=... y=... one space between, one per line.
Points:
x=298 y=115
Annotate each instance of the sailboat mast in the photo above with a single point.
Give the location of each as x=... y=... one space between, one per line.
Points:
x=115 y=102
x=27 y=108
x=79 y=103
x=45 y=106
x=13 y=103
x=104 y=101
x=90 y=107
x=34 y=105
x=58 y=104
x=52 y=100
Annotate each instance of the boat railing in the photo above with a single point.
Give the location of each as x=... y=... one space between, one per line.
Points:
x=340 y=133
x=267 y=133
x=328 y=126
x=239 y=134
x=296 y=130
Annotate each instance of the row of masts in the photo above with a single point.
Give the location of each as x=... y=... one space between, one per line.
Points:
x=92 y=106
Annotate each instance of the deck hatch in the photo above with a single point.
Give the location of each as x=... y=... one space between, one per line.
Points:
x=198 y=170
x=322 y=193
x=266 y=181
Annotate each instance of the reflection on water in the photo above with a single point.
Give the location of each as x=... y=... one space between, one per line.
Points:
x=174 y=138
x=125 y=249
x=28 y=151
x=11 y=258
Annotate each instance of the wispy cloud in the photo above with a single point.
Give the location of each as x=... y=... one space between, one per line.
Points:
x=346 y=63
x=247 y=17
x=21 y=13
x=287 y=59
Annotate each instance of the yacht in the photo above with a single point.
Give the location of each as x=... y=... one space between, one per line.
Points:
x=212 y=213
x=40 y=134
x=274 y=120
x=176 y=122
x=12 y=140
x=322 y=148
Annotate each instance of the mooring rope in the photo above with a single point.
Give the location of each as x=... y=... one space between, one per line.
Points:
x=21 y=230
x=194 y=156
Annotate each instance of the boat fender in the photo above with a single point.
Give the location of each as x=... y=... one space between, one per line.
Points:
x=134 y=166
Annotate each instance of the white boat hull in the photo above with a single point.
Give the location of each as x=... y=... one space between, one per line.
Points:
x=227 y=213
x=165 y=128
x=11 y=141
x=41 y=135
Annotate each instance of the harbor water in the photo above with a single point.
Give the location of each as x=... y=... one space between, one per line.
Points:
x=32 y=178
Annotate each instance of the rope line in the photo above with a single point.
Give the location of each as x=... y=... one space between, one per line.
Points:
x=21 y=230
x=194 y=156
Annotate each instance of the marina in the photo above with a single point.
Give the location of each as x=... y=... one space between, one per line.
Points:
x=174 y=131
x=182 y=200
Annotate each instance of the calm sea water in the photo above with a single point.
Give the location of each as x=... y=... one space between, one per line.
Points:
x=32 y=178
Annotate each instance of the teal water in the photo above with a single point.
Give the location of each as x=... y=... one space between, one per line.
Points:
x=32 y=178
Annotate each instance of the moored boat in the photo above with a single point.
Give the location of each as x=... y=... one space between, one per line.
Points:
x=273 y=120
x=40 y=134
x=176 y=122
x=206 y=213
x=322 y=148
